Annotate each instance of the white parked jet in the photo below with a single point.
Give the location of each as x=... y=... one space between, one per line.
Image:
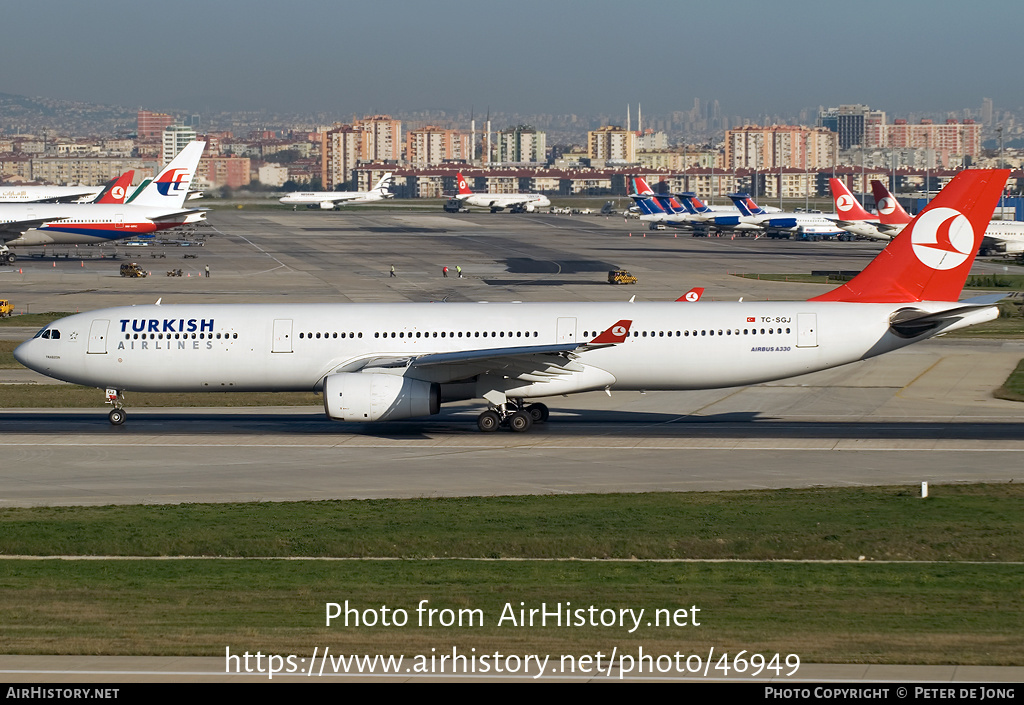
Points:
x=376 y=362
x=160 y=206
x=328 y=200
x=1001 y=236
x=48 y=194
x=515 y=202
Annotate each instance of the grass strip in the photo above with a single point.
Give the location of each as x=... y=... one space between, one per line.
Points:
x=956 y=523
x=860 y=613
x=1013 y=388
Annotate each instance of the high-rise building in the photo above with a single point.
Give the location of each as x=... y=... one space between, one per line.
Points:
x=786 y=146
x=340 y=150
x=612 y=144
x=175 y=137
x=430 y=146
x=521 y=144
x=150 y=126
x=850 y=122
x=381 y=138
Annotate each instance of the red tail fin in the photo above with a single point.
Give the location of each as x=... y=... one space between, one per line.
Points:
x=890 y=212
x=463 y=187
x=641 y=186
x=118 y=191
x=847 y=207
x=929 y=260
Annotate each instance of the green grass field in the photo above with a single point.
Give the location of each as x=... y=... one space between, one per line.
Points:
x=954 y=593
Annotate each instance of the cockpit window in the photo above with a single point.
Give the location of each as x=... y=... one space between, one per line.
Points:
x=54 y=334
x=48 y=333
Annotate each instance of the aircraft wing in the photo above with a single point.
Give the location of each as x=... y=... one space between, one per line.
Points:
x=527 y=361
x=177 y=215
x=68 y=197
x=17 y=228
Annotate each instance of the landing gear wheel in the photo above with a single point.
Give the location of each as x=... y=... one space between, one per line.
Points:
x=537 y=412
x=11 y=258
x=488 y=421
x=117 y=417
x=520 y=422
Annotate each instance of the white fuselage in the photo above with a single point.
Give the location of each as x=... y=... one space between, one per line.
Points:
x=1005 y=236
x=529 y=201
x=279 y=347
x=87 y=223
x=28 y=194
x=329 y=199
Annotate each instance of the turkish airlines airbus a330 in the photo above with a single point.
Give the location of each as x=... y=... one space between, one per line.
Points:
x=376 y=362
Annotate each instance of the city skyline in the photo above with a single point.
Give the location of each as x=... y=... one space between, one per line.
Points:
x=530 y=58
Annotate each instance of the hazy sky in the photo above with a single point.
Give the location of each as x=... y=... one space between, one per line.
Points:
x=528 y=56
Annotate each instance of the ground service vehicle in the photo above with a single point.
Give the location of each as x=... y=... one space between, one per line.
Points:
x=132 y=270
x=6 y=308
x=621 y=276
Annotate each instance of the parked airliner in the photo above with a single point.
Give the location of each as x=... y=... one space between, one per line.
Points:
x=10 y=193
x=378 y=361
x=328 y=200
x=160 y=206
x=1001 y=236
x=515 y=202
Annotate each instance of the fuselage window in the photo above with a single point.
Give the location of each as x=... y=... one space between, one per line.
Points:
x=703 y=332
x=360 y=335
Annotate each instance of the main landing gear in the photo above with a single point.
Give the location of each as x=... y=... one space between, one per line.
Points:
x=117 y=415
x=513 y=414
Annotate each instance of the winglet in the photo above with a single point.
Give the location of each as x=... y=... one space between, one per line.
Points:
x=930 y=259
x=693 y=295
x=616 y=333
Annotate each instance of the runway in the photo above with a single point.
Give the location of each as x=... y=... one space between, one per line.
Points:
x=923 y=413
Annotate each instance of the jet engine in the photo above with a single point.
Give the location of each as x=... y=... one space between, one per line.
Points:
x=354 y=396
x=327 y=205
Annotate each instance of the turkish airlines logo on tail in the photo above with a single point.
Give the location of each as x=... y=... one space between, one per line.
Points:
x=845 y=202
x=117 y=192
x=886 y=206
x=942 y=238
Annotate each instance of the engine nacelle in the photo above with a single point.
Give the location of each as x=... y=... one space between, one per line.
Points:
x=354 y=396
x=327 y=205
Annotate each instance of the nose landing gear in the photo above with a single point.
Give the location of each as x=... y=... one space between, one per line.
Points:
x=117 y=415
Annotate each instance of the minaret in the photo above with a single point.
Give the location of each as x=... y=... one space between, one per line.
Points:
x=487 y=156
x=629 y=127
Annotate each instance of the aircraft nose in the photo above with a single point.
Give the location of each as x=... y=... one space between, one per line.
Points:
x=27 y=354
